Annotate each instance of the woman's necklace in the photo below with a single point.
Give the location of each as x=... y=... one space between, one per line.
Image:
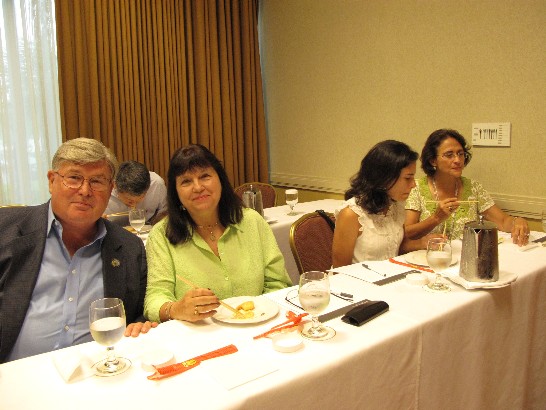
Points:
x=209 y=228
x=438 y=200
x=436 y=190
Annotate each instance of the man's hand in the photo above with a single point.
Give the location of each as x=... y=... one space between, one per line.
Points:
x=134 y=329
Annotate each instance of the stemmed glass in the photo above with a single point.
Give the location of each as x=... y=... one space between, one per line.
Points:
x=137 y=219
x=439 y=259
x=291 y=196
x=314 y=295
x=107 y=325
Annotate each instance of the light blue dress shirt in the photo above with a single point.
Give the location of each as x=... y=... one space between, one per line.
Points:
x=58 y=315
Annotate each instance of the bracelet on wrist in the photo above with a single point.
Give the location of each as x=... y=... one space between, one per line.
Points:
x=168 y=311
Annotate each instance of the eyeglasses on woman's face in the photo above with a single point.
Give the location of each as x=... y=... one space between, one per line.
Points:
x=450 y=155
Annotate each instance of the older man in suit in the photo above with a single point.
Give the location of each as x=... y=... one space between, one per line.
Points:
x=56 y=258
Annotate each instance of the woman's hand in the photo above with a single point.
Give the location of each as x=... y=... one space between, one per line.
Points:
x=517 y=226
x=196 y=304
x=135 y=329
x=446 y=207
x=424 y=240
x=520 y=231
x=410 y=245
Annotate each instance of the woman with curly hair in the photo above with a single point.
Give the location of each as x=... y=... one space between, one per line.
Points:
x=444 y=200
x=370 y=223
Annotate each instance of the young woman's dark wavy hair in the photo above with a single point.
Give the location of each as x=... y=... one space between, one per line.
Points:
x=379 y=170
x=430 y=150
x=180 y=225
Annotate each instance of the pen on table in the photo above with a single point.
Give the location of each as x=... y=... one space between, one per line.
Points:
x=379 y=273
x=343 y=295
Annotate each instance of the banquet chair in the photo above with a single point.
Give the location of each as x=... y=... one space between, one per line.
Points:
x=311 y=238
x=120 y=218
x=269 y=195
x=11 y=206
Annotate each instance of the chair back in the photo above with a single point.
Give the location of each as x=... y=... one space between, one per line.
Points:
x=11 y=206
x=311 y=238
x=120 y=218
x=269 y=195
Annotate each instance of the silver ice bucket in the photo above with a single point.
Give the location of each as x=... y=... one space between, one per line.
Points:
x=480 y=253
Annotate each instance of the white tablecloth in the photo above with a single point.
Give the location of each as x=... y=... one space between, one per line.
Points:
x=479 y=349
x=283 y=222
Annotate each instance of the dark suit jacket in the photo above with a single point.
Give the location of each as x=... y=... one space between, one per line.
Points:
x=22 y=244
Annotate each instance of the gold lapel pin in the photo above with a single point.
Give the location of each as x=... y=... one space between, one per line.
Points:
x=115 y=263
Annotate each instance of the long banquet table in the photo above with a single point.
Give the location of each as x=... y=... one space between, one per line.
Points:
x=479 y=349
x=281 y=223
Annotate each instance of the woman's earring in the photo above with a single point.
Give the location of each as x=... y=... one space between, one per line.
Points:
x=182 y=208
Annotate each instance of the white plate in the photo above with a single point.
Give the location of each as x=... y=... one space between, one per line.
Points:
x=505 y=279
x=270 y=220
x=264 y=309
x=420 y=258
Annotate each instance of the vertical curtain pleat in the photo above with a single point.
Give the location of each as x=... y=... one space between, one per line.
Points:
x=149 y=76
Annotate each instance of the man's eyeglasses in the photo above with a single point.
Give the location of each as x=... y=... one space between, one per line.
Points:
x=75 y=181
x=451 y=155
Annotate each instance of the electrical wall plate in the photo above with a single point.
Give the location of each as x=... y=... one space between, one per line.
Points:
x=491 y=134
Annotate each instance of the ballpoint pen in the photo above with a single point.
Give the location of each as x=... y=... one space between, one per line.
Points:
x=343 y=295
x=379 y=273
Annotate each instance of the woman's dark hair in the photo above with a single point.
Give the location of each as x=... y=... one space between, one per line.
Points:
x=379 y=171
x=180 y=225
x=430 y=150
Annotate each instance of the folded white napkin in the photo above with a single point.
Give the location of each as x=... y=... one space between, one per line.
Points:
x=505 y=278
x=73 y=365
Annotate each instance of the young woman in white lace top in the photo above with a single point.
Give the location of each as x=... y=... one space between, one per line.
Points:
x=370 y=223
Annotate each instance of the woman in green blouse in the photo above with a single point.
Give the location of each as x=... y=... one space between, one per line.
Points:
x=209 y=239
x=444 y=200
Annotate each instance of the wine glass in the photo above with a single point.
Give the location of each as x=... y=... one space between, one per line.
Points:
x=291 y=196
x=439 y=259
x=137 y=219
x=107 y=325
x=314 y=295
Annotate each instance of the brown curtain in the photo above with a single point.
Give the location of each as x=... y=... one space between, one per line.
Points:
x=146 y=77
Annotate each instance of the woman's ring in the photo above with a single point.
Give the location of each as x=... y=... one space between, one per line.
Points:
x=450 y=209
x=195 y=312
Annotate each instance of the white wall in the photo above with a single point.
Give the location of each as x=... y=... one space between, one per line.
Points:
x=341 y=75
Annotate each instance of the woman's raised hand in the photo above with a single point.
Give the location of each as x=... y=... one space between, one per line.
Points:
x=197 y=304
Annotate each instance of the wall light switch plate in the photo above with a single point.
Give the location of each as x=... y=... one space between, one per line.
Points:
x=492 y=134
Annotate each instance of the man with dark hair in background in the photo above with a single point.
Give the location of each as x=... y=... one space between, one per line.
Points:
x=136 y=187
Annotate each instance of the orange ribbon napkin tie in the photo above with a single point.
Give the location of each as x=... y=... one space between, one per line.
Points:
x=177 y=368
x=293 y=321
x=411 y=265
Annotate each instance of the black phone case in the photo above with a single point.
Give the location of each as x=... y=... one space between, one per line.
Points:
x=366 y=312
